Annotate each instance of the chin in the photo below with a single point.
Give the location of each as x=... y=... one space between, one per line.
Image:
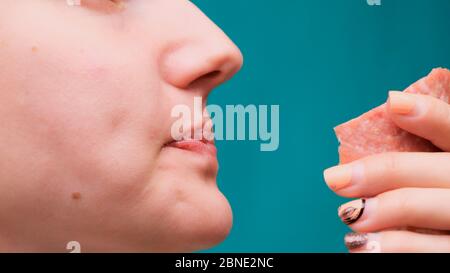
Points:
x=182 y=208
x=207 y=224
x=214 y=225
x=199 y=219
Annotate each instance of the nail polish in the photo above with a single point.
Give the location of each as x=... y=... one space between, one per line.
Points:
x=352 y=211
x=355 y=240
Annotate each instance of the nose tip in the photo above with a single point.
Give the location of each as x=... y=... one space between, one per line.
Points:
x=201 y=65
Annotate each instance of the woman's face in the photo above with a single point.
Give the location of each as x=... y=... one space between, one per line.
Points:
x=86 y=96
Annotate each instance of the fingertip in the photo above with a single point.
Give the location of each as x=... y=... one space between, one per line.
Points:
x=400 y=103
x=338 y=177
x=422 y=115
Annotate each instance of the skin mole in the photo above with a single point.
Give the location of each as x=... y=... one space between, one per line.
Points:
x=76 y=196
x=34 y=49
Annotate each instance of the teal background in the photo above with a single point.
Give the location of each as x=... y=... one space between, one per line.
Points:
x=323 y=62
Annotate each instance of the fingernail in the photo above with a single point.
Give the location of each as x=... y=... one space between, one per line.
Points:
x=362 y=242
x=120 y=5
x=355 y=240
x=352 y=211
x=401 y=103
x=338 y=177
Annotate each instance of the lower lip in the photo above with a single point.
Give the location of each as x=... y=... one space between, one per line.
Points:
x=196 y=146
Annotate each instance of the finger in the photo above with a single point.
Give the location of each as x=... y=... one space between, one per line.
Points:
x=105 y=6
x=408 y=207
x=422 y=115
x=397 y=242
x=384 y=172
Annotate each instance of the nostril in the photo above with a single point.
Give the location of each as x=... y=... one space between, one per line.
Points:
x=208 y=79
x=200 y=65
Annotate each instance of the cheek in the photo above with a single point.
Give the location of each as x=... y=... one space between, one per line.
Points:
x=84 y=117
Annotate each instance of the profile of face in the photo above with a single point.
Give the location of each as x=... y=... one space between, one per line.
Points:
x=86 y=95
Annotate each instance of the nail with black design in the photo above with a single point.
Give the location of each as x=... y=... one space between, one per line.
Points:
x=352 y=211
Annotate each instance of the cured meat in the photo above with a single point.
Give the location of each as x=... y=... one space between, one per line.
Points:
x=374 y=132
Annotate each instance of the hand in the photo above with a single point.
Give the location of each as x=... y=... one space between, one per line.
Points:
x=403 y=195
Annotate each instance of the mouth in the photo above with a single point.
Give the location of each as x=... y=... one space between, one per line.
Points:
x=194 y=151
x=191 y=141
x=202 y=147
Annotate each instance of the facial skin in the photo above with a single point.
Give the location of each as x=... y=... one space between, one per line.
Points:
x=86 y=94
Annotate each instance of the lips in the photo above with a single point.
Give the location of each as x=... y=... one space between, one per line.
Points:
x=202 y=147
x=199 y=139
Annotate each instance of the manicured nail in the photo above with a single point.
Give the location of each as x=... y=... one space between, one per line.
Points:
x=401 y=103
x=338 y=177
x=352 y=211
x=355 y=240
x=362 y=242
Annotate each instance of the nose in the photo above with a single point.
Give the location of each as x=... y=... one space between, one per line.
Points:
x=202 y=60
